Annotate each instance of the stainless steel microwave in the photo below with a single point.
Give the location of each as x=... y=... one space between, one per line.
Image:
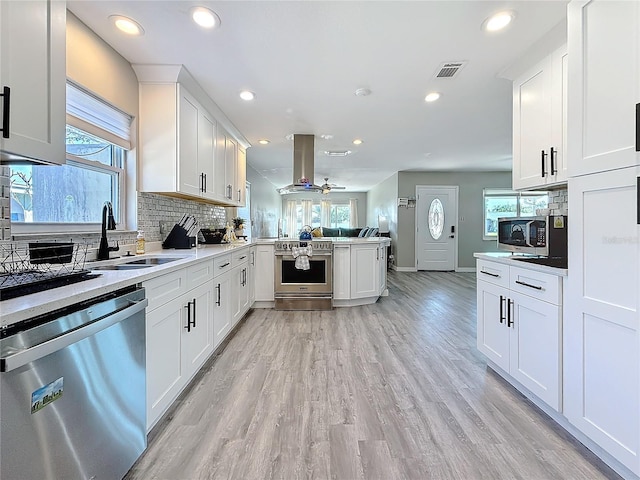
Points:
x=544 y=236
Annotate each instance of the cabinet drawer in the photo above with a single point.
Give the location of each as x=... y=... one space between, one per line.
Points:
x=199 y=273
x=542 y=286
x=165 y=288
x=239 y=257
x=221 y=264
x=493 y=272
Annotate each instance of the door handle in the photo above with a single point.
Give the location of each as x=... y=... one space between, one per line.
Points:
x=6 y=93
x=502 y=309
x=543 y=157
x=218 y=301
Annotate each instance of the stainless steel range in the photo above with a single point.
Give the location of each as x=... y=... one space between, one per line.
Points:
x=303 y=275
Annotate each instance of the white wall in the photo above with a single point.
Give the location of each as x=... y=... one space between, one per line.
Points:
x=266 y=204
x=92 y=63
x=470 y=211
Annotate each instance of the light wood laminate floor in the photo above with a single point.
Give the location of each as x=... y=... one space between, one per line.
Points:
x=394 y=390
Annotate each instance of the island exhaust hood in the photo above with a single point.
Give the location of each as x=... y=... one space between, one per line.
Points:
x=303 y=164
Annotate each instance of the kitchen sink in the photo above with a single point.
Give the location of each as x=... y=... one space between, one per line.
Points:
x=123 y=266
x=151 y=261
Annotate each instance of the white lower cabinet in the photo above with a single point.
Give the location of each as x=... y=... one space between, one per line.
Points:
x=264 y=280
x=521 y=333
x=365 y=270
x=239 y=285
x=179 y=337
x=222 y=310
x=251 y=274
x=382 y=265
x=359 y=273
x=341 y=272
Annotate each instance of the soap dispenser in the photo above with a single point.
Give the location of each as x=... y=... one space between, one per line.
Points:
x=140 y=243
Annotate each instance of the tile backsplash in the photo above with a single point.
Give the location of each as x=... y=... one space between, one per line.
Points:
x=155 y=209
x=558 y=202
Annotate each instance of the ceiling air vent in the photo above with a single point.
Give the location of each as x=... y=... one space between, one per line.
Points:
x=450 y=70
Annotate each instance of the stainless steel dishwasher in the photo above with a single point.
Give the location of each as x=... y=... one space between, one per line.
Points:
x=72 y=391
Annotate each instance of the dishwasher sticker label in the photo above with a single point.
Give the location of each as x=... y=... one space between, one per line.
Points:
x=47 y=394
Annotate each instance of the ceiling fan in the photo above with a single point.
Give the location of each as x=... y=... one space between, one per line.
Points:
x=327 y=187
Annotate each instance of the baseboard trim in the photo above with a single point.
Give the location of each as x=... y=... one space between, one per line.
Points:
x=466 y=269
x=404 y=269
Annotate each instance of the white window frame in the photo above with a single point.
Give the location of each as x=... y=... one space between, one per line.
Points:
x=90 y=114
x=498 y=192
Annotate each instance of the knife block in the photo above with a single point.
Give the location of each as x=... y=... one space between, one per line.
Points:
x=178 y=238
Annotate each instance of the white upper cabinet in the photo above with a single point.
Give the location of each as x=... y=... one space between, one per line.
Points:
x=184 y=150
x=604 y=79
x=241 y=176
x=176 y=138
x=32 y=80
x=539 y=119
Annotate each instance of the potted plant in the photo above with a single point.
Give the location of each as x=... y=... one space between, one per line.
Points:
x=238 y=225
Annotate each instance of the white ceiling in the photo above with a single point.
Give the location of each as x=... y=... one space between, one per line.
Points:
x=305 y=59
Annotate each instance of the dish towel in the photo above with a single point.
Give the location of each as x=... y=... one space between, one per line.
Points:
x=302 y=254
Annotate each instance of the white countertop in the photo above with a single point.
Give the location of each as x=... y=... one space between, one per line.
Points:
x=510 y=259
x=28 y=306
x=270 y=240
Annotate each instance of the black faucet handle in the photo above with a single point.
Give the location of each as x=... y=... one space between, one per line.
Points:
x=116 y=248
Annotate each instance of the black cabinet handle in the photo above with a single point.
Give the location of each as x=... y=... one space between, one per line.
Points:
x=224 y=265
x=6 y=93
x=524 y=284
x=201 y=186
x=243 y=257
x=637 y=127
x=218 y=289
x=490 y=274
x=502 y=299
x=188 y=307
x=509 y=305
x=553 y=163
x=191 y=322
x=543 y=157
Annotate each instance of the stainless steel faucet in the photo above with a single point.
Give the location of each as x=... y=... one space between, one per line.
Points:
x=108 y=223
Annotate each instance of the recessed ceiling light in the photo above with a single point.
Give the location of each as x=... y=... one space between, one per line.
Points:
x=432 y=97
x=337 y=153
x=127 y=25
x=264 y=141
x=498 y=21
x=247 y=95
x=363 y=92
x=357 y=141
x=205 y=17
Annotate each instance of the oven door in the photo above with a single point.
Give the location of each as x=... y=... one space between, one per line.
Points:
x=291 y=280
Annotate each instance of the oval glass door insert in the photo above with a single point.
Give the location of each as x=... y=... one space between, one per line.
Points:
x=436 y=218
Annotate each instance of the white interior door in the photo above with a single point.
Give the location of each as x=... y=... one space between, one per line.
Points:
x=436 y=227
